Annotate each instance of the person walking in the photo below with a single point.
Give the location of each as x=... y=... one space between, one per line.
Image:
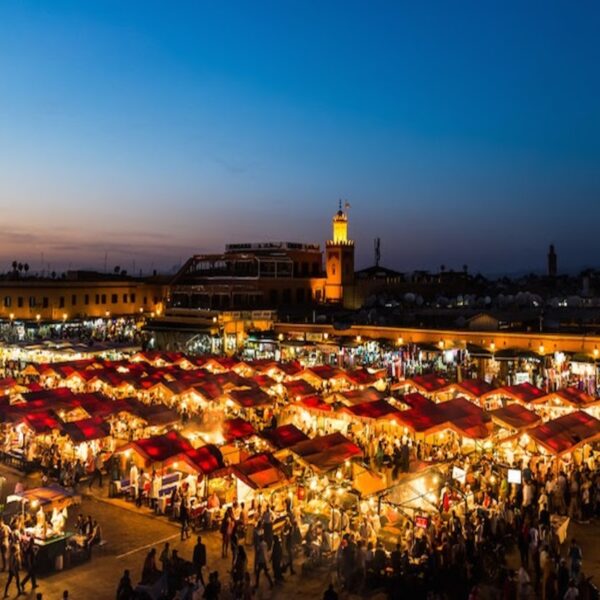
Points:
x=125 y=589
x=30 y=563
x=199 y=560
x=260 y=561
x=14 y=568
x=97 y=473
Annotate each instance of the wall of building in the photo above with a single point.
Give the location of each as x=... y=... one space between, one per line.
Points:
x=543 y=343
x=54 y=300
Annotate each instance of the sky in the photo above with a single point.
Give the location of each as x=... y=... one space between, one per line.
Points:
x=135 y=133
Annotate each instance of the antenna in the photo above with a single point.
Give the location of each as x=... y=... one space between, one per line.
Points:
x=377 y=251
x=340 y=205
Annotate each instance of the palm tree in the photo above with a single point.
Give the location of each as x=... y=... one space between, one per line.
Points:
x=14 y=265
x=26 y=267
x=117 y=269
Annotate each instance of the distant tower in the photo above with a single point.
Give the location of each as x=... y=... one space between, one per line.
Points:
x=339 y=258
x=552 y=261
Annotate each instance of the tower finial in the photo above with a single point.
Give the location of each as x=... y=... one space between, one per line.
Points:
x=340 y=205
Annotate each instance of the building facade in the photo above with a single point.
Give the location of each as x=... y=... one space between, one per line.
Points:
x=71 y=298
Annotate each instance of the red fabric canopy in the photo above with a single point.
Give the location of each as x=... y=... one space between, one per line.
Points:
x=87 y=430
x=207 y=459
x=159 y=448
x=326 y=452
x=299 y=388
x=42 y=422
x=357 y=396
x=252 y=398
x=522 y=392
x=380 y=409
x=566 y=433
x=475 y=388
x=284 y=436
x=427 y=383
x=571 y=396
x=260 y=471
x=515 y=416
x=315 y=403
x=237 y=429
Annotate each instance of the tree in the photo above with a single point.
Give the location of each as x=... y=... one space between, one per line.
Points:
x=14 y=265
x=442 y=268
x=20 y=267
x=117 y=269
x=26 y=267
x=53 y=275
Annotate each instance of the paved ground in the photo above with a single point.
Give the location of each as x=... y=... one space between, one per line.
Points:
x=130 y=532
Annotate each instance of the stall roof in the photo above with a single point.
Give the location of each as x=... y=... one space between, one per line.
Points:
x=51 y=494
x=237 y=429
x=42 y=422
x=260 y=471
x=364 y=377
x=60 y=393
x=566 y=433
x=159 y=448
x=155 y=415
x=263 y=381
x=250 y=398
x=299 y=388
x=351 y=397
x=425 y=383
x=380 y=409
x=326 y=452
x=206 y=459
x=87 y=430
x=284 y=436
x=522 y=392
x=473 y=388
x=515 y=416
x=315 y=403
x=571 y=396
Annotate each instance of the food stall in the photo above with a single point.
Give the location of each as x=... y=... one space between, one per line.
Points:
x=44 y=510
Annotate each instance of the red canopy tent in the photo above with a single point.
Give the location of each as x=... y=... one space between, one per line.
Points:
x=42 y=422
x=237 y=429
x=315 y=403
x=87 y=430
x=284 y=436
x=471 y=388
x=515 y=416
x=299 y=388
x=570 y=396
x=159 y=448
x=327 y=452
x=426 y=384
x=260 y=471
x=252 y=398
x=522 y=392
x=566 y=433
x=351 y=397
x=380 y=409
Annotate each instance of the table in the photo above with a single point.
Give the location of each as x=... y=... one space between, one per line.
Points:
x=50 y=549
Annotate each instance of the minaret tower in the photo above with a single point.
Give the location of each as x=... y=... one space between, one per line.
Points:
x=339 y=257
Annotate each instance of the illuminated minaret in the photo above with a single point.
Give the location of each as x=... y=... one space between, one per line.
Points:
x=339 y=258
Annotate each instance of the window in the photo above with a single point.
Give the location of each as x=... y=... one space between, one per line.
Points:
x=45 y=302
x=7 y=301
x=114 y=298
x=86 y=299
x=61 y=302
x=31 y=301
x=132 y=298
x=20 y=301
x=103 y=298
x=124 y=298
x=97 y=298
x=73 y=300
x=145 y=300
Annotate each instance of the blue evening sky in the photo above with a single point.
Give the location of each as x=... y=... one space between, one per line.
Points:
x=460 y=132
